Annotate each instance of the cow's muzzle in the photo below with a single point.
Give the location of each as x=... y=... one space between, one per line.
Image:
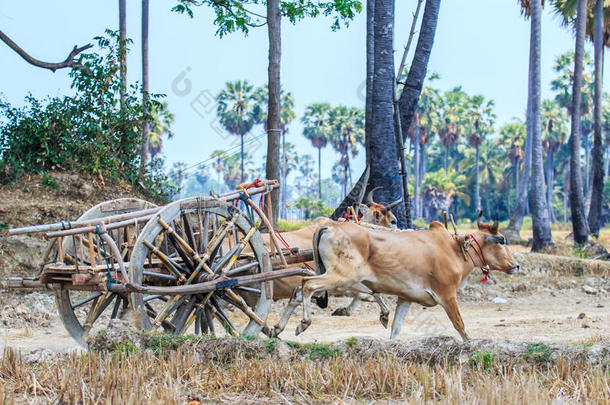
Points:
x=514 y=269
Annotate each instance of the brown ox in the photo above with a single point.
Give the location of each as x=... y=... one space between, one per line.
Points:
x=425 y=267
x=288 y=287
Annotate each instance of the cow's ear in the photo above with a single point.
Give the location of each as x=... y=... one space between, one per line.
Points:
x=378 y=216
x=494 y=227
x=363 y=208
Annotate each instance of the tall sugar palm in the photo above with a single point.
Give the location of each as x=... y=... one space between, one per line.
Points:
x=489 y=171
x=287 y=114
x=512 y=140
x=554 y=132
x=453 y=109
x=219 y=157
x=346 y=132
x=541 y=224
x=317 y=130
x=429 y=105
x=579 y=222
x=238 y=112
x=160 y=125
x=481 y=121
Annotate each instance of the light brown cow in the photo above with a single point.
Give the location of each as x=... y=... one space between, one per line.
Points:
x=425 y=267
x=289 y=287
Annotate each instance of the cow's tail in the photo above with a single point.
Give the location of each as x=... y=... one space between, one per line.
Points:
x=321 y=301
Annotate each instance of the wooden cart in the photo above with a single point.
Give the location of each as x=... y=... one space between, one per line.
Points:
x=197 y=265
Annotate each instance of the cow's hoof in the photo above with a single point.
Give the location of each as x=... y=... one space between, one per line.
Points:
x=302 y=327
x=341 y=312
x=275 y=332
x=384 y=318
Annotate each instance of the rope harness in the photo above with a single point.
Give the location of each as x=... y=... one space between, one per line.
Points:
x=478 y=250
x=109 y=279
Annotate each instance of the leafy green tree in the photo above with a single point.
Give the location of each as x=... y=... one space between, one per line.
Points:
x=238 y=112
x=479 y=125
x=161 y=121
x=439 y=190
x=453 y=120
x=554 y=134
x=316 y=124
x=346 y=132
x=312 y=207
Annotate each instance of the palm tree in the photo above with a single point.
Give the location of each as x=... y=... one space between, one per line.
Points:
x=238 y=112
x=489 y=171
x=123 y=49
x=541 y=225
x=316 y=129
x=146 y=125
x=439 y=190
x=453 y=120
x=287 y=114
x=554 y=132
x=346 y=131
x=161 y=121
x=512 y=138
x=481 y=124
x=219 y=157
x=579 y=222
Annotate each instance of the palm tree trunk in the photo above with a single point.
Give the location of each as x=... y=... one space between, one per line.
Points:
x=446 y=159
x=579 y=222
x=566 y=193
x=419 y=66
x=382 y=144
x=422 y=176
x=606 y=163
x=487 y=203
x=550 y=181
x=146 y=127
x=595 y=209
x=416 y=168
x=517 y=185
x=284 y=188
x=585 y=142
x=477 y=196
x=370 y=70
x=541 y=223
x=274 y=104
x=320 y=173
x=123 y=49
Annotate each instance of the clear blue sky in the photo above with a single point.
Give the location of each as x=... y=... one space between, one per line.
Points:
x=482 y=45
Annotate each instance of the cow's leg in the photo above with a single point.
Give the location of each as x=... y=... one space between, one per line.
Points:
x=453 y=312
x=384 y=315
x=327 y=281
x=295 y=300
x=349 y=310
x=402 y=308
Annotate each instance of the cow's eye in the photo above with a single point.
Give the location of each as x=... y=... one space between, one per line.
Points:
x=393 y=222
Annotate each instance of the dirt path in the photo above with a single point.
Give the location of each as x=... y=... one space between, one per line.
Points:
x=542 y=316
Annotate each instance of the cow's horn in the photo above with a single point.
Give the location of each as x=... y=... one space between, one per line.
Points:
x=479 y=218
x=369 y=196
x=393 y=204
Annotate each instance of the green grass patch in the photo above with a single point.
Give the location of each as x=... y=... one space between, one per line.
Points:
x=352 y=342
x=159 y=343
x=539 y=352
x=48 y=181
x=482 y=359
x=316 y=351
x=287 y=226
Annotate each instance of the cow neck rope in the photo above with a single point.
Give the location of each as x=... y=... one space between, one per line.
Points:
x=485 y=268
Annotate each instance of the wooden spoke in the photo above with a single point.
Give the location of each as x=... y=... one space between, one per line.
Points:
x=160 y=275
x=205 y=232
x=224 y=320
x=242 y=269
x=117 y=306
x=249 y=289
x=86 y=300
x=182 y=314
x=209 y=318
x=186 y=225
x=151 y=313
x=155 y=297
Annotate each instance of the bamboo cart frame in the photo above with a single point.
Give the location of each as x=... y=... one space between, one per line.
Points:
x=198 y=264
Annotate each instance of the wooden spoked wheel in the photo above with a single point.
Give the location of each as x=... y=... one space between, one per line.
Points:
x=84 y=312
x=192 y=241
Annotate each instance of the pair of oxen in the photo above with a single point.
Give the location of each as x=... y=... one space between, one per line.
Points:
x=425 y=267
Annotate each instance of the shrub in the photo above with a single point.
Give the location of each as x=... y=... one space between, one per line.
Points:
x=89 y=130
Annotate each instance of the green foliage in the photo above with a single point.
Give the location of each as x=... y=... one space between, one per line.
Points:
x=241 y=15
x=160 y=343
x=124 y=349
x=352 y=342
x=50 y=182
x=313 y=207
x=539 y=352
x=482 y=359
x=287 y=226
x=316 y=351
x=88 y=130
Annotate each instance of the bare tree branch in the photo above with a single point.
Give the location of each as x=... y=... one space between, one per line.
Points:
x=68 y=63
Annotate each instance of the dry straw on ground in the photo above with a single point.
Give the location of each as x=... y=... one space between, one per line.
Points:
x=255 y=371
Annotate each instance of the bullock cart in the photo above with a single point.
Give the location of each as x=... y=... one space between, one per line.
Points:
x=197 y=265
